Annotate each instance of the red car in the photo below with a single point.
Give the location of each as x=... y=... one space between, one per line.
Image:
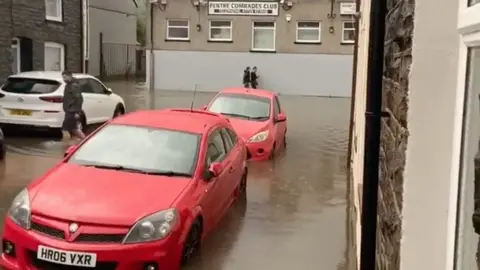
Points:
x=257 y=117
x=139 y=193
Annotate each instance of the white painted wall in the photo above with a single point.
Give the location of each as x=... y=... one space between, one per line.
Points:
x=116 y=19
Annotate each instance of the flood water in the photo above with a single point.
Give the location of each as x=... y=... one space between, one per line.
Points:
x=295 y=216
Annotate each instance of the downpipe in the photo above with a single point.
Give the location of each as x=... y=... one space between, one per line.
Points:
x=151 y=79
x=373 y=116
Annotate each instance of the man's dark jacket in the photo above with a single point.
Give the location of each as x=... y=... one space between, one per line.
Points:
x=72 y=98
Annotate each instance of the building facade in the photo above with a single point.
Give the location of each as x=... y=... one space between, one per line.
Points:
x=301 y=47
x=429 y=210
x=40 y=35
x=112 y=37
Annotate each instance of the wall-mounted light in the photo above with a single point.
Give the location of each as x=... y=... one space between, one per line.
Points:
x=288 y=17
x=331 y=29
x=286 y=4
x=199 y=3
x=162 y=4
x=199 y=27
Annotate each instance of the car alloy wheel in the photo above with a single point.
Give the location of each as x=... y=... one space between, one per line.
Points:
x=192 y=243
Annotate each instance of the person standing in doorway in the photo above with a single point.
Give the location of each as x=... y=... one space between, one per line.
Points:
x=254 y=78
x=72 y=106
x=246 y=77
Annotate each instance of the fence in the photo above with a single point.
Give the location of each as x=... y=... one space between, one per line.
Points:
x=122 y=61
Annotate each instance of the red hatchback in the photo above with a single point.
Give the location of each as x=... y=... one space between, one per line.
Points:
x=257 y=117
x=139 y=193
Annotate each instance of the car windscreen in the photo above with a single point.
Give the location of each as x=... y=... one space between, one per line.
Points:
x=242 y=106
x=30 y=86
x=140 y=149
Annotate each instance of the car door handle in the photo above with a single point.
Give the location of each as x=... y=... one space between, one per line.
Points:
x=99 y=101
x=231 y=169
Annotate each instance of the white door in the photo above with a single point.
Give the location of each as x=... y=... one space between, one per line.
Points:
x=89 y=102
x=54 y=57
x=104 y=104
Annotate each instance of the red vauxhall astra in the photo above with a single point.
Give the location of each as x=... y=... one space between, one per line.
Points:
x=141 y=192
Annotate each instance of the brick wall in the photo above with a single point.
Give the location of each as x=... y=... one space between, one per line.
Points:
x=394 y=136
x=26 y=18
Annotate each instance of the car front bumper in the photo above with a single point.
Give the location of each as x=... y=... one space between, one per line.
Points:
x=260 y=151
x=165 y=253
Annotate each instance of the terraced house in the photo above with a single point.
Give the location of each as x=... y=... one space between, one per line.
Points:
x=40 y=35
x=301 y=47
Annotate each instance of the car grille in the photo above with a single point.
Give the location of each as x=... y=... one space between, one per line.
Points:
x=100 y=238
x=46 y=230
x=43 y=265
x=82 y=238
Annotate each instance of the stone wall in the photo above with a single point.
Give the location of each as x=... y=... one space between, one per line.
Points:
x=26 y=19
x=394 y=135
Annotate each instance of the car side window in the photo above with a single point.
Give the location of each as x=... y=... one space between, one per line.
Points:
x=228 y=141
x=85 y=87
x=233 y=136
x=276 y=109
x=97 y=87
x=216 y=151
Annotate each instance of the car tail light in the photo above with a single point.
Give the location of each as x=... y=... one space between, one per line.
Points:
x=53 y=99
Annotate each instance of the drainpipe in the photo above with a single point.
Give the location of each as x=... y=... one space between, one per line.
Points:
x=373 y=116
x=152 y=61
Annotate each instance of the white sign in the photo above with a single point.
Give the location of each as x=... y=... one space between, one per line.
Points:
x=348 y=8
x=243 y=8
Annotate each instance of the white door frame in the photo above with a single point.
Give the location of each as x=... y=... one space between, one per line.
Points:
x=469 y=36
x=17 y=47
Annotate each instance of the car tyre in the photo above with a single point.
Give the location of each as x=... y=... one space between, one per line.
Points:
x=242 y=188
x=272 y=153
x=119 y=110
x=192 y=243
x=3 y=150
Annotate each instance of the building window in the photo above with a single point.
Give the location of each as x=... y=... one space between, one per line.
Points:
x=178 y=30
x=308 y=32
x=54 y=56
x=15 y=55
x=263 y=36
x=53 y=10
x=220 y=31
x=348 y=32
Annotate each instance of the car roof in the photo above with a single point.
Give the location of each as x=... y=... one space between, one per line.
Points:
x=249 y=91
x=186 y=120
x=49 y=75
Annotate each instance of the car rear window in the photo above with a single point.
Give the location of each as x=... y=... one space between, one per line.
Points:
x=30 y=86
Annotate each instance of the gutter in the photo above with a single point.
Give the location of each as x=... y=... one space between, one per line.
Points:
x=373 y=116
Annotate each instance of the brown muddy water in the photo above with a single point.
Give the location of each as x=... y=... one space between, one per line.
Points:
x=295 y=216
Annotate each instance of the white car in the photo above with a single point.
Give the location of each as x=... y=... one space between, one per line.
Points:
x=35 y=99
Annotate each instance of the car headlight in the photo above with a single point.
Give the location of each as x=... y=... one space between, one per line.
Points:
x=153 y=227
x=19 y=212
x=259 y=137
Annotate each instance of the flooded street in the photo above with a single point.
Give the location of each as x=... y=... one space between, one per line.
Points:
x=296 y=211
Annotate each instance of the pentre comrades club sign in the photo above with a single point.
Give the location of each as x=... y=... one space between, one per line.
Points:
x=243 y=8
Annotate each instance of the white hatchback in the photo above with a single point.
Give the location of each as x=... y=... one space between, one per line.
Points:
x=35 y=99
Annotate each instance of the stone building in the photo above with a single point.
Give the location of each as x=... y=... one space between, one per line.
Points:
x=431 y=90
x=300 y=47
x=40 y=35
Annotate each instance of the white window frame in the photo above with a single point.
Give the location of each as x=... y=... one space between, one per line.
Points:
x=349 y=29
x=184 y=27
x=269 y=28
x=319 y=28
x=469 y=37
x=59 y=16
x=56 y=45
x=17 y=47
x=210 y=27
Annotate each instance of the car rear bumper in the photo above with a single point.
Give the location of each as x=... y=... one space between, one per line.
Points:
x=53 y=121
x=165 y=253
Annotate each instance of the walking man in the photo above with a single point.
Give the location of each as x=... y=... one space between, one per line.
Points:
x=254 y=78
x=72 y=106
x=246 y=77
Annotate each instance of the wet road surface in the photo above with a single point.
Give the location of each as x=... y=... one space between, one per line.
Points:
x=295 y=217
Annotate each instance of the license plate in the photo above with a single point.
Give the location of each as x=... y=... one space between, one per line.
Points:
x=20 y=112
x=67 y=257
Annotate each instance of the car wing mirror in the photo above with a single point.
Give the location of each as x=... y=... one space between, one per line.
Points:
x=214 y=170
x=70 y=150
x=281 y=118
x=204 y=107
